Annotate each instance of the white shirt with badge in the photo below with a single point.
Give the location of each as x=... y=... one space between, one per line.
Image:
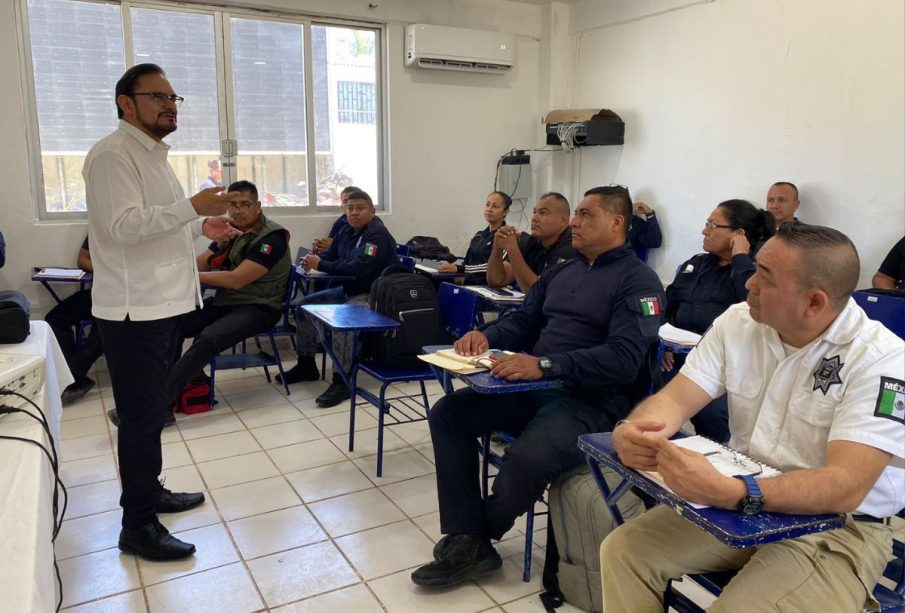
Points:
x=784 y=409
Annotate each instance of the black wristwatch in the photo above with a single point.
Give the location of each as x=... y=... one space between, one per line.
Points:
x=546 y=366
x=753 y=502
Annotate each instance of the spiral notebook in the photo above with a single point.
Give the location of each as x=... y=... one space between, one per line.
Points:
x=726 y=460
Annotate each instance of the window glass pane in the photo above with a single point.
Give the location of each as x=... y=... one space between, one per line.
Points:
x=77 y=53
x=269 y=95
x=345 y=107
x=183 y=45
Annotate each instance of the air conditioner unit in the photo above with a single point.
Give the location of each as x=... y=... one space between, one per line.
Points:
x=446 y=48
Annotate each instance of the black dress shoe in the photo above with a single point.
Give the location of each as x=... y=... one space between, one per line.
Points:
x=305 y=370
x=154 y=542
x=76 y=391
x=176 y=502
x=336 y=393
x=113 y=416
x=462 y=556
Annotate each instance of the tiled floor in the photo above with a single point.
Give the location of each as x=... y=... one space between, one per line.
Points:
x=293 y=521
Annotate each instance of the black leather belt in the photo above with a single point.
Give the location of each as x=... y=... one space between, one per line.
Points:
x=870 y=519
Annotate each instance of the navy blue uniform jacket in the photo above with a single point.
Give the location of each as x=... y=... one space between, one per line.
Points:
x=362 y=255
x=595 y=322
x=703 y=289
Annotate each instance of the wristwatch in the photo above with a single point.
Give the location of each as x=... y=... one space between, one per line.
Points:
x=546 y=366
x=753 y=503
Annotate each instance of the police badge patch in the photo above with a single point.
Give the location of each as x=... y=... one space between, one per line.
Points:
x=827 y=374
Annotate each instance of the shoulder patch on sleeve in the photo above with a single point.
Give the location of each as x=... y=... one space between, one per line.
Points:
x=891 y=400
x=370 y=249
x=265 y=248
x=650 y=305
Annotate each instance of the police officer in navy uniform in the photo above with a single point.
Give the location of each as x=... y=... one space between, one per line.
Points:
x=589 y=322
x=522 y=258
x=361 y=250
x=474 y=266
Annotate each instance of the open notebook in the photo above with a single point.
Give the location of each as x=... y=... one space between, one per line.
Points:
x=727 y=461
x=448 y=359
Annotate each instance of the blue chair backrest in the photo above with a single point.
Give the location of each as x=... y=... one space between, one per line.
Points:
x=407 y=261
x=642 y=253
x=886 y=308
x=458 y=309
x=403 y=250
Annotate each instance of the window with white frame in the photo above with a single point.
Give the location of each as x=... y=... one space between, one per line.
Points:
x=275 y=101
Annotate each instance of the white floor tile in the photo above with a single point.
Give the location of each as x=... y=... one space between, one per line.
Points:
x=328 y=481
x=300 y=573
x=415 y=496
x=309 y=408
x=87 y=407
x=228 y=588
x=506 y=584
x=277 y=531
x=89 y=470
x=290 y=433
x=88 y=534
x=306 y=455
x=175 y=455
x=237 y=469
x=366 y=442
x=97 y=575
x=338 y=423
x=247 y=499
x=398 y=594
x=130 y=602
x=209 y=424
x=353 y=599
x=183 y=479
x=387 y=549
x=83 y=426
x=354 y=512
x=222 y=446
x=430 y=525
x=532 y=604
x=214 y=548
x=397 y=466
x=256 y=398
x=85 y=447
x=259 y=416
x=203 y=515
x=93 y=498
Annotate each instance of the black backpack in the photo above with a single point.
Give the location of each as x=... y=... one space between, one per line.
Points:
x=430 y=248
x=411 y=300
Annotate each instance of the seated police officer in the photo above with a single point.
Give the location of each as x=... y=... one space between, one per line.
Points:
x=323 y=243
x=361 y=250
x=523 y=258
x=251 y=272
x=589 y=322
x=63 y=320
x=815 y=390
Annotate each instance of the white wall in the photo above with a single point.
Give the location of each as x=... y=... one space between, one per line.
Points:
x=446 y=131
x=723 y=97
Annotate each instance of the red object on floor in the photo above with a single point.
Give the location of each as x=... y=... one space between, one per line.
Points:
x=195 y=398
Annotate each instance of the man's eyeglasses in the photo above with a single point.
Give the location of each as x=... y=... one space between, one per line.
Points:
x=160 y=98
x=241 y=206
x=711 y=225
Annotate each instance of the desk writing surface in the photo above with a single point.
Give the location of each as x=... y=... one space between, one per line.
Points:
x=350 y=317
x=39 y=273
x=730 y=527
x=485 y=383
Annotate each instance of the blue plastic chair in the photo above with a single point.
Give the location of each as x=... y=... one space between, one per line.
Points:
x=403 y=250
x=262 y=359
x=892 y=600
x=407 y=261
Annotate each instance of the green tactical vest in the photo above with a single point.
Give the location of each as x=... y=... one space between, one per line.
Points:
x=269 y=289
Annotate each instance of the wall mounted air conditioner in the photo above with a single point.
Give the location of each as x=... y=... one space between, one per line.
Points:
x=446 y=48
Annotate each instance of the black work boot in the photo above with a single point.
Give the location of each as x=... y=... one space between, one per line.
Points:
x=336 y=393
x=305 y=370
x=463 y=556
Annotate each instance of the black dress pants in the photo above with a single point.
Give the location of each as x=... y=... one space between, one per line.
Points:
x=547 y=424
x=214 y=329
x=139 y=355
x=62 y=319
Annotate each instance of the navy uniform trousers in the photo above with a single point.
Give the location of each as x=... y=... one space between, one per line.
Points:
x=547 y=423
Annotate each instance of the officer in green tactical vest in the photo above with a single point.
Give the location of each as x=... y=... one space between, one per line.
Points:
x=250 y=273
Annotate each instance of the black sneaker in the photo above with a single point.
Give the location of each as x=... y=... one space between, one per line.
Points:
x=465 y=556
x=305 y=370
x=335 y=394
x=76 y=391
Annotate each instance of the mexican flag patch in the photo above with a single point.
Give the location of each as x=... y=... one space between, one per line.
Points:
x=265 y=248
x=370 y=249
x=650 y=306
x=891 y=400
